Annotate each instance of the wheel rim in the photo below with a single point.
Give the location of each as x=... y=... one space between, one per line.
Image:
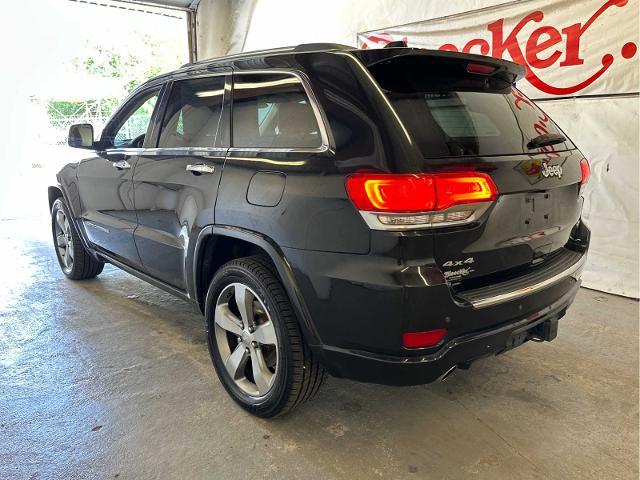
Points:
x=246 y=339
x=64 y=240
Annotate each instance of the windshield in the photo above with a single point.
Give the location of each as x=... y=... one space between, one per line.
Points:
x=463 y=123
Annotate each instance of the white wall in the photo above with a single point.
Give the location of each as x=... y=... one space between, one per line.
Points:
x=593 y=124
x=611 y=206
x=278 y=23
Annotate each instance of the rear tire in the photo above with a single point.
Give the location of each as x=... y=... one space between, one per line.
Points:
x=258 y=350
x=76 y=263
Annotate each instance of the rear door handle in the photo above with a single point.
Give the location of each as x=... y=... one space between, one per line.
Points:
x=200 y=168
x=122 y=165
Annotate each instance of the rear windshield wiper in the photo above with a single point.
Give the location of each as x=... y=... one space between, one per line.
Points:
x=546 y=140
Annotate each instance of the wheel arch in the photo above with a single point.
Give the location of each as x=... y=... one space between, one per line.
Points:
x=212 y=251
x=54 y=192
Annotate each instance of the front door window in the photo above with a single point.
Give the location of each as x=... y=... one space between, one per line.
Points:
x=134 y=127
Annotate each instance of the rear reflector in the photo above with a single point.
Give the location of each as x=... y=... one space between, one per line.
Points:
x=401 y=193
x=423 y=339
x=586 y=171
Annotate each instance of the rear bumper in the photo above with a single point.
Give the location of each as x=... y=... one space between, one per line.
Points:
x=361 y=305
x=460 y=351
x=567 y=263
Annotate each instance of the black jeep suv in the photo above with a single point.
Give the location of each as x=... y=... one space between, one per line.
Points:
x=382 y=215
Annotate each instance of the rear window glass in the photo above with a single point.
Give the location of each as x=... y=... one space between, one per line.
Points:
x=451 y=112
x=272 y=111
x=449 y=123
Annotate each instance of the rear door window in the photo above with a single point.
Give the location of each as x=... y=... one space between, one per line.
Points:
x=272 y=111
x=193 y=113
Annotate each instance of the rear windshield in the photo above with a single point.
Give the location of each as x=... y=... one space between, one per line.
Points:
x=450 y=108
x=461 y=123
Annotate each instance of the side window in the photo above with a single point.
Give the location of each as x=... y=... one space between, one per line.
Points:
x=134 y=126
x=193 y=113
x=272 y=111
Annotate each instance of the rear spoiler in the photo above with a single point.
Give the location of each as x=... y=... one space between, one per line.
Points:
x=398 y=69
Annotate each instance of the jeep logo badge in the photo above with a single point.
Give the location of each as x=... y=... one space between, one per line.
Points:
x=551 y=170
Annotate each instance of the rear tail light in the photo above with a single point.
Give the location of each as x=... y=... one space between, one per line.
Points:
x=423 y=339
x=586 y=171
x=392 y=193
x=459 y=188
x=397 y=201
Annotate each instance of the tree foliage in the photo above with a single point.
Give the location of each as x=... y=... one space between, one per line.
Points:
x=142 y=57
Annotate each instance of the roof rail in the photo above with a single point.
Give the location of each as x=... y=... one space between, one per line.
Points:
x=312 y=47
x=304 y=47
x=239 y=55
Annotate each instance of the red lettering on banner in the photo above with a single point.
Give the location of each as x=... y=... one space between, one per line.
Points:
x=546 y=46
x=449 y=47
x=510 y=44
x=535 y=47
x=478 y=42
x=572 y=52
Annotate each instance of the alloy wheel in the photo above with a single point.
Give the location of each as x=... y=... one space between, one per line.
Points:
x=64 y=240
x=246 y=339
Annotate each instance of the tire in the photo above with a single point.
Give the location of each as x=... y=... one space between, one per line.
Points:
x=269 y=379
x=76 y=263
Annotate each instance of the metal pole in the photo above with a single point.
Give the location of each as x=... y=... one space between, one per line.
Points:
x=192 y=37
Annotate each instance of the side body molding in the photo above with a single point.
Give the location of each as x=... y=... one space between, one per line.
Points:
x=282 y=265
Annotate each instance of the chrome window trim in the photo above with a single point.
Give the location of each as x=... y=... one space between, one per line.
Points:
x=185 y=151
x=153 y=151
x=124 y=151
x=320 y=149
x=325 y=136
x=574 y=271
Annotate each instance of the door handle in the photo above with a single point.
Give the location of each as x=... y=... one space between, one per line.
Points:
x=121 y=165
x=200 y=168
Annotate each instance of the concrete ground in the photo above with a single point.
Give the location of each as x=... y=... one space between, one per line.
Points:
x=111 y=378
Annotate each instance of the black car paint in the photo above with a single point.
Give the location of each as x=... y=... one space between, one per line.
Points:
x=355 y=291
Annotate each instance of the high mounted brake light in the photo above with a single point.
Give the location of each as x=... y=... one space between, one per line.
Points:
x=430 y=199
x=480 y=68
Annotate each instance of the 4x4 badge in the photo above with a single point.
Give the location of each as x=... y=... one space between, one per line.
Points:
x=551 y=170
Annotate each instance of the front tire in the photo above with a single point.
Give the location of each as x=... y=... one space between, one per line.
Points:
x=255 y=341
x=76 y=263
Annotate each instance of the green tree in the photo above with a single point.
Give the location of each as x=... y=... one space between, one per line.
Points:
x=147 y=56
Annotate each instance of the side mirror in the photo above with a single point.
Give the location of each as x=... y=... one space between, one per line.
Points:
x=81 y=136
